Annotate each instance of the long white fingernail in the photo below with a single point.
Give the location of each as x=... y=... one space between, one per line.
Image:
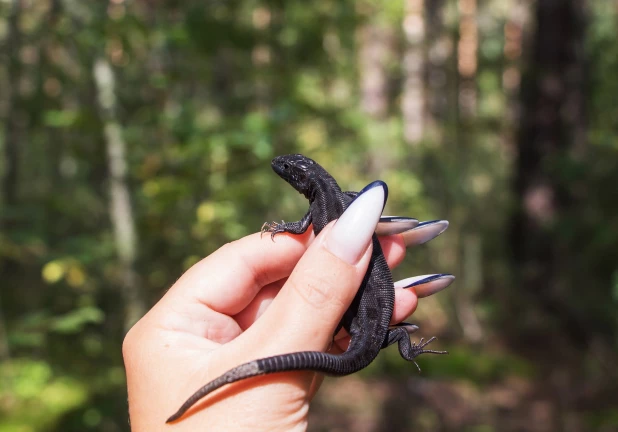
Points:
x=424 y=232
x=351 y=234
x=426 y=285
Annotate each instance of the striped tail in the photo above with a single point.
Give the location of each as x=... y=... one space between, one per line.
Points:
x=344 y=364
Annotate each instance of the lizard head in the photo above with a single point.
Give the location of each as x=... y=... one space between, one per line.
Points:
x=297 y=170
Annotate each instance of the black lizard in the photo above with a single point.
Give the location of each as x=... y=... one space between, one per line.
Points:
x=368 y=317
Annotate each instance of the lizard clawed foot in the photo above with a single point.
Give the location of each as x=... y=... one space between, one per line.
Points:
x=418 y=349
x=410 y=350
x=272 y=228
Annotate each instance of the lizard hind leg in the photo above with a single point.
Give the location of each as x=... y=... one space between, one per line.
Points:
x=410 y=350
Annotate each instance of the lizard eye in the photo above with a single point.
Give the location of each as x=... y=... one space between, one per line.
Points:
x=286 y=166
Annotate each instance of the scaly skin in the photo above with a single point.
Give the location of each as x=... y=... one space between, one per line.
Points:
x=368 y=317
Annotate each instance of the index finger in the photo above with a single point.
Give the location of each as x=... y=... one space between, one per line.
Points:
x=227 y=280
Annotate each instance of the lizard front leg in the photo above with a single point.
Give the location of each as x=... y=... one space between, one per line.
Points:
x=290 y=227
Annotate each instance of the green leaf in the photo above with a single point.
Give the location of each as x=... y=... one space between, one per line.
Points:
x=60 y=118
x=75 y=321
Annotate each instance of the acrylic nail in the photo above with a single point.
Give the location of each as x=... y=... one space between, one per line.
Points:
x=390 y=225
x=424 y=232
x=426 y=285
x=351 y=234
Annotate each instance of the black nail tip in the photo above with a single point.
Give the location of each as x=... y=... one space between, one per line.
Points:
x=429 y=279
x=390 y=225
x=435 y=223
x=425 y=223
x=372 y=185
x=391 y=219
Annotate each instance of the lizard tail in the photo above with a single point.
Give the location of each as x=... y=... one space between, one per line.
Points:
x=304 y=360
x=238 y=373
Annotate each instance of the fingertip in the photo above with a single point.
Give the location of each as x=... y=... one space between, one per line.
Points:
x=394 y=249
x=406 y=302
x=227 y=280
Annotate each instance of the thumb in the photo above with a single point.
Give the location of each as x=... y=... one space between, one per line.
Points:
x=308 y=308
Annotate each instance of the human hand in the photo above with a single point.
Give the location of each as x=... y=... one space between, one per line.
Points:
x=208 y=323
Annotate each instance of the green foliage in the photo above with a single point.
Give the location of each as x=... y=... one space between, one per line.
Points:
x=603 y=419
x=60 y=119
x=33 y=397
x=76 y=320
x=207 y=93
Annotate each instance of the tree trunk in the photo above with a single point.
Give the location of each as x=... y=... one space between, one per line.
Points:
x=11 y=143
x=465 y=233
x=261 y=57
x=373 y=52
x=121 y=212
x=50 y=98
x=467 y=58
x=439 y=51
x=375 y=49
x=517 y=22
x=5 y=352
x=13 y=109
x=552 y=126
x=413 y=95
x=516 y=26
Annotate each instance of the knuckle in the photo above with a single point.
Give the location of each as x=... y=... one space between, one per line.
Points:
x=319 y=291
x=128 y=343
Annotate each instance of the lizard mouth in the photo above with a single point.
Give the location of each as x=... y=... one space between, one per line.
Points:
x=278 y=168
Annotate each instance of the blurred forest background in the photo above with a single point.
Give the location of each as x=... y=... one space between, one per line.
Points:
x=136 y=138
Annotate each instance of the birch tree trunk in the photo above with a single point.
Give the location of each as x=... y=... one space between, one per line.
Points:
x=121 y=212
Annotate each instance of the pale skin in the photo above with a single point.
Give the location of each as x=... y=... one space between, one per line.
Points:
x=252 y=298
